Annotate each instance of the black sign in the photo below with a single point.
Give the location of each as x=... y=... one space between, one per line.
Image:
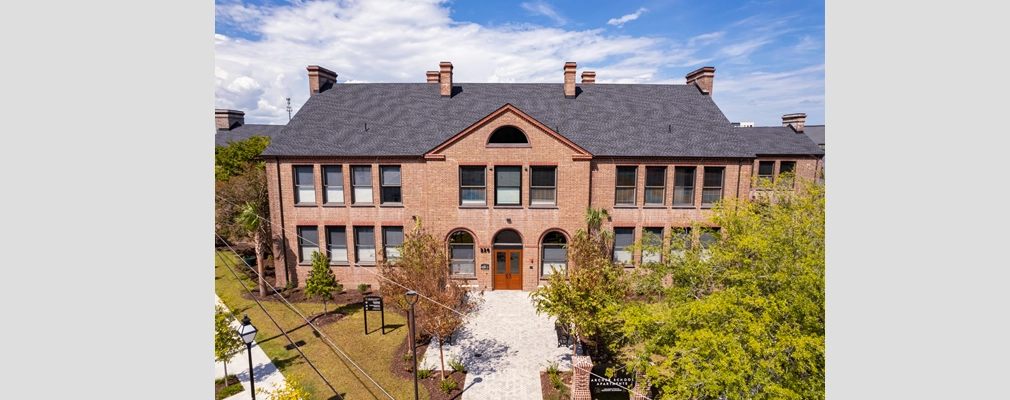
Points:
x=373 y=303
x=622 y=377
x=484 y=267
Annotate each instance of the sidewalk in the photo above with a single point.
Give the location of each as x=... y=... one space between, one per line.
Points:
x=264 y=371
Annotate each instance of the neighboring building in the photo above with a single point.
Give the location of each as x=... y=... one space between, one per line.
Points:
x=231 y=127
x=503 y=172
x=771 y=138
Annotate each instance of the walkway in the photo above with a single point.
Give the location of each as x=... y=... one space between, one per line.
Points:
x=263 y=370
x=514 y=344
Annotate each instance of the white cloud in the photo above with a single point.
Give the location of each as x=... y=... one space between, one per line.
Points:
x=619 y=22
x=541 y=8
x=765 y=97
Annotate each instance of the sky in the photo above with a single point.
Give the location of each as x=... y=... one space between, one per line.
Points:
x=768 y=55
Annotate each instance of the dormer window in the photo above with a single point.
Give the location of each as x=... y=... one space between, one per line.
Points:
x=508 y=136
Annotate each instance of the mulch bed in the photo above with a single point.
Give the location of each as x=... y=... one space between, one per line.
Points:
x=403 y=370
x=549 y=392
x=232 y=380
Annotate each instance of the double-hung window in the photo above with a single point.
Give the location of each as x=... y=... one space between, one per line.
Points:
x=683 y=186
x=766 y=172
x=712 y=191
x=336 y=244
x=788 y=168
x=389 y=179
x=623 y=237
x=461 y=253
x=392 y=237
x=627 y=177
x=333 y=182
x=472 y=189
x=707 y=237
x=364 y=244
x=543 y=185
x=361 y=179
x=555 y=256
x=308 y=242
x=652 y=237
x=305 y=188
x=508 y=186
x=655 y=185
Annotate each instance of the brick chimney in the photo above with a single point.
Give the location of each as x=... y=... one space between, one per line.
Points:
x=432 y=76
x=229 y=119
x=794 y=121
x=588 y=77
x=320 y=79
x=569 y=80
x=445 y=78
x=703 y=78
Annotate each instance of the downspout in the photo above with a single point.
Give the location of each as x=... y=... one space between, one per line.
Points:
x=739 y=169
x=284 y=240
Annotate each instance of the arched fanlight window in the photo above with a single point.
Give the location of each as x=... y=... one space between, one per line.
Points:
x=508 y=237
x=554 y=254
x=508 y=135
x=461 y=253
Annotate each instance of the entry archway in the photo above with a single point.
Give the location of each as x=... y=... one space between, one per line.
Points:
x=508 y=257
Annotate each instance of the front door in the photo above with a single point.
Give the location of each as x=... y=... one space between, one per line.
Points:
x=508 y=271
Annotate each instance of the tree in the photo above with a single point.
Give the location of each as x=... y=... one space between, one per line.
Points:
x=250 y=219
x=424 y=267
x=230 y=159
x=292 y=389
x=242 y=208
x=321 y=281
x=744 y=317
x=227 y=342
x=587 y=297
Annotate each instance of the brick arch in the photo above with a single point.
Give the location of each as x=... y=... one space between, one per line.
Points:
x=540 y=240
x=526 y=137
x=522 y=240
x=476 y=241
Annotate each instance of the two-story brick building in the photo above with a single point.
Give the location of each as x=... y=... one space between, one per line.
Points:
x=504 y=172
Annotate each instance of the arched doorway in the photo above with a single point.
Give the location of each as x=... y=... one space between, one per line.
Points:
x=508 y=258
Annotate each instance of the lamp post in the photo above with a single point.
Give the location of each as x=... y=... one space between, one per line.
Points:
x=248 y=333
x=412 y=298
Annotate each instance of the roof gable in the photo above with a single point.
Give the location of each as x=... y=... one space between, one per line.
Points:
x=507 y=109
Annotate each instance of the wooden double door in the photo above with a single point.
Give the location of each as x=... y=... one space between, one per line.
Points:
x=508 y=269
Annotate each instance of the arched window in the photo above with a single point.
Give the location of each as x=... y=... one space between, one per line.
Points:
x=508 y=135
x=461 y=253
x=508 y=237
x=554 y=254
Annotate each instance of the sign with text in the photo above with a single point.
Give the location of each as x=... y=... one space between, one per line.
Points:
x=374 y=303
x=600 y=387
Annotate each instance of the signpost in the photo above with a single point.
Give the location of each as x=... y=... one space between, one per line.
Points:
x=610 y=387
x=374 y=303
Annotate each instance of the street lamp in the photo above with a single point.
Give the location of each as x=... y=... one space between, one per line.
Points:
x=412 y=298
x=248 y=333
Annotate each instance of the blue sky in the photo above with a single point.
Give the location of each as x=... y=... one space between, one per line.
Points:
x=768 y=55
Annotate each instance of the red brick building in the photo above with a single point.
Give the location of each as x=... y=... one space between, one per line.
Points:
x=504 y=171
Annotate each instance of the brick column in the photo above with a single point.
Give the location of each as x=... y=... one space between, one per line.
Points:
x=642 y=386
x=581 y=365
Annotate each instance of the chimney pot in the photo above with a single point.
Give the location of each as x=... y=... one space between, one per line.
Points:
x=445 y=78
x=794 y=121
x=320 y=79
x=229 y=119
x=569 y=80
x=432 y=76
x=702 y=77
x=588 y=77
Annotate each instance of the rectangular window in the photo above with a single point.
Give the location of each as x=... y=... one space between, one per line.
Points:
x=766 y=172
x=333 y=183
x=389 y=179
x=361 y=179
x=461 y=253
x=652 y=237
x=508 y=184
x=681 y=239
x=623 y=237
x=555 y=258
x=472 y=189
x=305 y=187
x=392 y=236
x=707 y=237
x=683 y=186
x=655 y=185
x=712 y=191
x=787 y=167
x=336 y=244
x=364 y=244
x=627 y=177
x=308 y=242
x=543 y=185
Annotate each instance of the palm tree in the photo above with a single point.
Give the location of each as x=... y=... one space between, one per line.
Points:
x=249 y=218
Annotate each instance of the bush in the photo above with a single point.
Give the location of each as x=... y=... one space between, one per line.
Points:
x=456 y=365
x=424 y=373
x=447 y=385
x=362 y=288
x=230 y=390
x=556 y=381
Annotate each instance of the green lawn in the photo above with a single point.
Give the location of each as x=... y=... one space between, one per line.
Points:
x=374 y=353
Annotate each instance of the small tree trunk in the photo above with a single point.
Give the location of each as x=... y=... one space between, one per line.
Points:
x=441 y=358
x=225 y=374
x=324 y=307
x=259 y=262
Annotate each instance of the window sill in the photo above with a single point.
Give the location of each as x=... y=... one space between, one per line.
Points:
x=685 y=207
x=544 y=206
x=363 y=205
x=305 y=204
x=474 y=206
x=366 y=264
x=514 y=207
x=464 y=277
x=304 y=264
x=340 y=264
x=655 y=206
x=707 y=206
x=334 y=205
x=391 y=205
x=625 y=206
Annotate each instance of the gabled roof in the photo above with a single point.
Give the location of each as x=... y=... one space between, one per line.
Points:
x=221 y=138
x=815 y=133
x=410 y=119
x=779 y=140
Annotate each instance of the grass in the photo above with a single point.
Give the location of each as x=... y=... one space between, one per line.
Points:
x=374 y=353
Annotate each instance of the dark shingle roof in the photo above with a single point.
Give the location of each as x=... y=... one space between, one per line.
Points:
x=815 y=133
x=778 y=140
x=604 y=119
x=221 y=138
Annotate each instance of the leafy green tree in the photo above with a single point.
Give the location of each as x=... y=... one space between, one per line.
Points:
x=242 y=207
x=587 y=297
x=321 y=281
x=292 y=389
x=227 y=342
x=250 y=218
x=423 y=266
x=229 y=160
x=744 y=317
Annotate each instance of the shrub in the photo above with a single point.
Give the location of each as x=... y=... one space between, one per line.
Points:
x=424 y=373
x=362 y=288
x=456 y=365
x=447 y=385
x=556 y=381
x=406 y=356
x=228 y=391
x=552 y=368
